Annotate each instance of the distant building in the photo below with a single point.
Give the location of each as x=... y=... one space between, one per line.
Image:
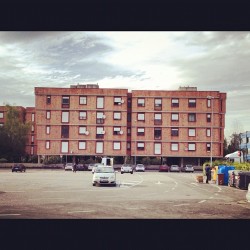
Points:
x=245 y=145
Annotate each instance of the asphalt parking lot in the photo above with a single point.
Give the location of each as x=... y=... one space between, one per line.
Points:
x=59 y=194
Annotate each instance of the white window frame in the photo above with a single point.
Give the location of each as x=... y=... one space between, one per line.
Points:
x=208 y=146
x=141 y=145
x=116 y=145
x=117 y=100
x=191 y=132
x=47 y=144
x=191 y=147
x=158 y=102
x=47 y=129
x=83 y=100
x=32 y=128
x=48 y=114
x=141 y=116
x=32 y=138
x=33 y=117
x=209 y=103
x=117 y=115
x=1 y=115
x=99 y=130
x=174 y=117
x=65 y=116
x=82 y=115
x=32 y=150
x=82 y=130
x=100 y=102
x=174 y=146
x=65 y=147
x=208 y=132
x=141 y=102
x=82 y=145
x=157 y=148
x=99 y=147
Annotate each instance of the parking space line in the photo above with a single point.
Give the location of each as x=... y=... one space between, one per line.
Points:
x=82 y=211
x=178 y=205
x=202 y=201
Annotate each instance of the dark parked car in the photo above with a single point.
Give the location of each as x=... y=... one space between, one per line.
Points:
x=18 y=167
x=163 y=168
x=81 y=167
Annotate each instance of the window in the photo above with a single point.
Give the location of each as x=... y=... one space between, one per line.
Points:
x=158 y=103
x=32 y=138
x=174 y=146
x=33 y=117
x=128 y=145
x=65 y=147
x=191 y=103
x=157 y=120
x=141 y=116
x=47 y=129
x=65 y=101
x=47 y=115
x=1 y=115
x=117 y=100
x=100 y=133
x=32 y=128
x=129 y=131
x=48 y=99
x=117 y=145
x=174 y=117
x=82 y=145
x=116 y=130
x=175 y=102
x=117 y=115
x=100 y=117
x=208 y=117
x=99 y=147
x=65 y=116
x=65 y=131
x=141 y=102
x=128 y=117
x=208 y=132
x=191 y=146
x=32 y=150
x=208 y=147
x=100 y=103
x=157 y=133
x=192 y=117
x=191 y=132
x=209 y=103
x=1 y=124
x=157 y=148
x=47 y=144
x=140 y=145
x=83 y=100
x=141 y=131
x=174 y=132
x=82 y=130
x=82 y=115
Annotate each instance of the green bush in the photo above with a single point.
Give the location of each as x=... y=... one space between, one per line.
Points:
x=53 y=160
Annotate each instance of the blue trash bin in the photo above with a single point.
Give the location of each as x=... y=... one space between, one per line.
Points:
x=224 y=170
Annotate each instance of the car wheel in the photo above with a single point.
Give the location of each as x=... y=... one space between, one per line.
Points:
x=93 y=184
x=121 y=172
x=132 y=172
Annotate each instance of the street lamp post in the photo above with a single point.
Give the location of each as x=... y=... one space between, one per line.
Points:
x=211 y=133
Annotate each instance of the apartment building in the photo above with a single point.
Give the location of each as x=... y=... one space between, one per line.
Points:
x=181 y=127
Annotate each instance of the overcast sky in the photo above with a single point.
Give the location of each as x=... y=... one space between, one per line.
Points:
x=218 y=61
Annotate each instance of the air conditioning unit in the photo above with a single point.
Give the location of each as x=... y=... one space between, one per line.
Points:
x=122 y=101
x=121 y=132
x=104 y=116
x=86 y=133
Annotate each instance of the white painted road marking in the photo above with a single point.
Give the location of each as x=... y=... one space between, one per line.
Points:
x=202 y=201
x=181 y=205
x=83 y=211
x=10 y=214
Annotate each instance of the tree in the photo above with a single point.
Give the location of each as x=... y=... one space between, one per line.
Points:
x=234 y=144
x=13 y=135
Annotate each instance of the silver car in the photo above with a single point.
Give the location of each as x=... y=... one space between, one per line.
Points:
x=105 y=175
x=140 y=167
x=174 y=168
x=69 y=166
x=187 y=168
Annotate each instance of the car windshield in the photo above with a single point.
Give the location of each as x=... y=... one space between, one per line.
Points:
x=139 y=165
x=104 y=170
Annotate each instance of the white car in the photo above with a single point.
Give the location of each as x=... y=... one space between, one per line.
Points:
x=90 y=166
x=140 y=167
x=174 y=168
x=248 y=193
x=95 y=166
x=104 y=175
x=69 y=166
x=126 y=168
